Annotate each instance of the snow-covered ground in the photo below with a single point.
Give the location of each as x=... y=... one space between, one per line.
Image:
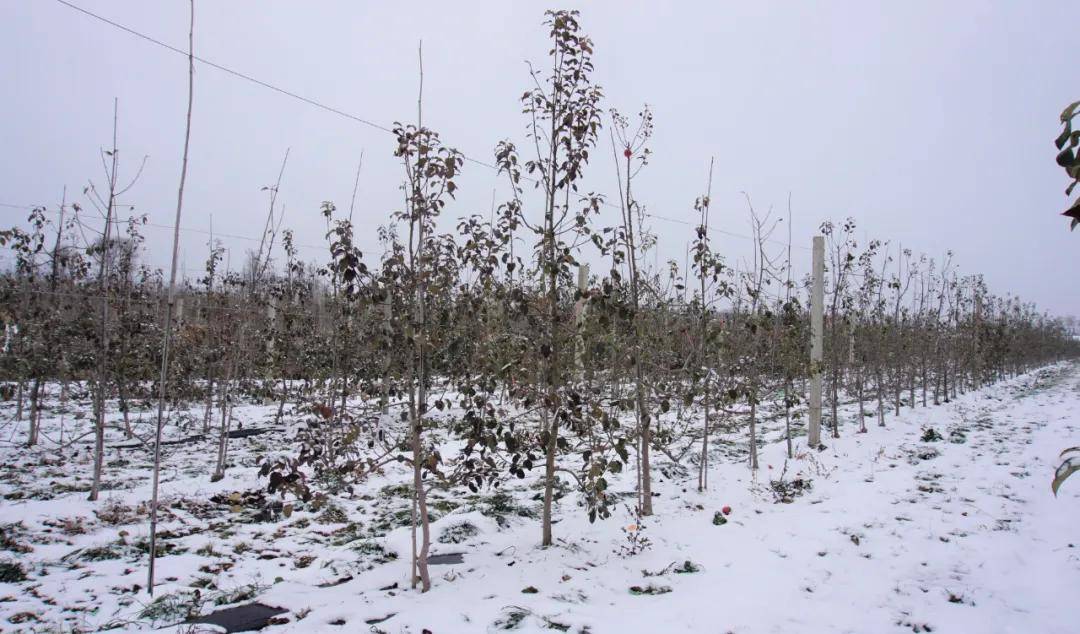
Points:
x=886 y=533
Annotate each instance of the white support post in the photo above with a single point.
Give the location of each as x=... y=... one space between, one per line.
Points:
x=271 y=320
x=817 y=328
x=179 y=312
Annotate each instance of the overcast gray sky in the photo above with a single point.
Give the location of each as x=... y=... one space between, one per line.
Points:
x=930 y=123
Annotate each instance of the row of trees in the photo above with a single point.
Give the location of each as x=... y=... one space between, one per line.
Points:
x=471 y=361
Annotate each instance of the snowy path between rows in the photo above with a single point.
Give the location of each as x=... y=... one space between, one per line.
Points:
x=969 y=541
x=894 y=535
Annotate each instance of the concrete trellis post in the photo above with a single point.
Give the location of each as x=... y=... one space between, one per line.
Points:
x=271 y=320
x=179 y=309
x=817 y=327
x=320 y=298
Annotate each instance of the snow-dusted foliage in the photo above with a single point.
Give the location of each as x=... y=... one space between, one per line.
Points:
x=471 y=431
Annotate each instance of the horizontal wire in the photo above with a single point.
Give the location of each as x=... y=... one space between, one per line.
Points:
x=332 y=109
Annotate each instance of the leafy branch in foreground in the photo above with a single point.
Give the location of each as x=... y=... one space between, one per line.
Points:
x=1069 y=464
x=1068 y=158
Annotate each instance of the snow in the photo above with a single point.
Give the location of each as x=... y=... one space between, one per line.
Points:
x=894 y=534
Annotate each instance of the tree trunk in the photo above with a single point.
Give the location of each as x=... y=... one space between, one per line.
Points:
x=281 y=402
x=834 y=398
x=753 y=433
x=99 y=444
x=35 y=413
x=121 y=389
x=208 y=414
x=223 y=437
x=420 y=493
x=945 y=382
x=19 y=400
x=862 y=405
x=103 y=349
x=897 y=388
x=924 y=373
x=911 y=388
x=703 y=464
x=552 y=366
x=225 y=403
x=552 y=426
x=787 y=417
x=880 y=398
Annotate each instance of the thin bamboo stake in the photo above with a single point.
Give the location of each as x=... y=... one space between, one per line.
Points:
x=169 y=309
